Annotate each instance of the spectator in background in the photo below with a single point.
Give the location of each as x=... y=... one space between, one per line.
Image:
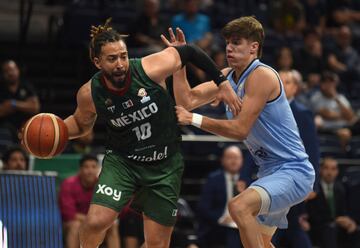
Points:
x=287 y=17
x=331 y=227
x=74 y=200
x=315 y=13
x=284 y=59
x=295 y=236
x=333 y=110
x=216 y=227
x=148 y=27
x=15 y=158
x=344 y=59
x=310 y=61
x=18 y=99
x=196 y=26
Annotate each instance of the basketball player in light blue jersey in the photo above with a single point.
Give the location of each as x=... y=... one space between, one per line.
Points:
x=265 y=124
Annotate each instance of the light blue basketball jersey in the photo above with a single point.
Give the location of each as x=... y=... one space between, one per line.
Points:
x=274 y=139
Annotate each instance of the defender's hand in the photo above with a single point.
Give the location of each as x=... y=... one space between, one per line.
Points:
x=178 y=40
x=227 y=95
x=184 y=117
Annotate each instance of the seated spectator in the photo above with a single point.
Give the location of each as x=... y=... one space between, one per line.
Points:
x=315 y=12
x=148 y=27
x=18 y=99
x=310 y=61
x=284 y=59
x=287 y=16
x=344 y=59
x=74 y=200
x=216 y=227
x=15 y=158
x=330 y=225
x=196 y=26
x=333 y=110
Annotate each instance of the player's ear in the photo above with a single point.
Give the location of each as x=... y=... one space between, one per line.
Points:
x=254 y=47
x=97 y=63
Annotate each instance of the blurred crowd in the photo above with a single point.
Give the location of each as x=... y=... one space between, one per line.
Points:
x=313 y=44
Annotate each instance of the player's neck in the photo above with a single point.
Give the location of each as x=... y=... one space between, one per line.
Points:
x=241 y=67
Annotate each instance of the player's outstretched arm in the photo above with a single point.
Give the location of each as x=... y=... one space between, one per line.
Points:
x=160 y=65
x=84 y=117
x=261 y=86
x=184 y=95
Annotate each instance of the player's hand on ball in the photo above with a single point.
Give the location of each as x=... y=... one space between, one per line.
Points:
x=227 y=95
x=178 y=40
x=184 y=117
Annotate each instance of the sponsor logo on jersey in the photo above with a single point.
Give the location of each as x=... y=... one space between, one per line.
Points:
x=156 y=156
x=109 y=105
x=106 y=190
x=142 y=93
x=127 y=104
x=138 y=115
x=261 y=153
x=111 y=108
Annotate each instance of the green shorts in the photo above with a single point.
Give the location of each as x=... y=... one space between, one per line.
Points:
x=154 y=188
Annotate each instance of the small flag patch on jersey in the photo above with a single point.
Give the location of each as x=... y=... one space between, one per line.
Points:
x=174 y=213
x=127 y=104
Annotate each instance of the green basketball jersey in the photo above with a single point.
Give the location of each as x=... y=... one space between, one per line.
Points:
x=140 y=121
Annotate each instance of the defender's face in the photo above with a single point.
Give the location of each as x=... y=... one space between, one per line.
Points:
x=239 y=50
x=114 y=62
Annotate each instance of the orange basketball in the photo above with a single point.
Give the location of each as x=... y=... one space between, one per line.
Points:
x=45 y=135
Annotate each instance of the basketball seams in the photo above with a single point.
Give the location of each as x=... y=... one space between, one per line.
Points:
x=25 y=138
x=39 y=136
x=56 y=135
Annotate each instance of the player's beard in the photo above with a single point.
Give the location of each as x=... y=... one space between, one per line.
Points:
x=118 y=83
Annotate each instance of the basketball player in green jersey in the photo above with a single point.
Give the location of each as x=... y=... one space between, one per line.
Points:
x=142 y=160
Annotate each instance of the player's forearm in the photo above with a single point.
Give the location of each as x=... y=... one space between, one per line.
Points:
x=75 y=128
x=226 y=128
x=191 y=98
x=182 y=90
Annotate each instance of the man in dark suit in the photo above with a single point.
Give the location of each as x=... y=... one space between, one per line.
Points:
x=295 y=236
x=330 y=225
x=216 y=228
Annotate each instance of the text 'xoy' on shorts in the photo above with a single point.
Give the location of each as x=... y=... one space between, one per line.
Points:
x=282 y=188
x=154 y=187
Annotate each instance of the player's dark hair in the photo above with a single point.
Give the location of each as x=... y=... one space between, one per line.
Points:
x=7 y=154
x=87 y=157
x=101 y=35
x=246 y=27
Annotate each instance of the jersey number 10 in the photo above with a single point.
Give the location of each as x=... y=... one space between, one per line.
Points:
x=143 y=132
